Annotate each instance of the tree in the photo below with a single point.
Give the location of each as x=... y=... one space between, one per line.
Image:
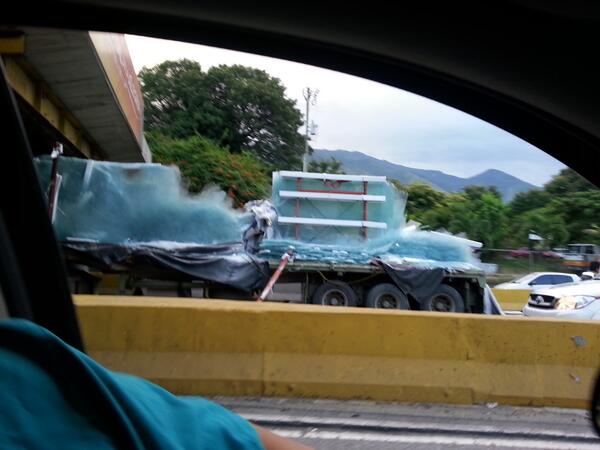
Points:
x=241 y=108
x=480 y=214
x=441 y=215
x=330 y=165
x=202 y=163
x=542 y=221
x=579 y=210
x=475 y=192
x=176 y=100
x=527 y=201
x=482 y=219
x=568 y=181
x=421 y=199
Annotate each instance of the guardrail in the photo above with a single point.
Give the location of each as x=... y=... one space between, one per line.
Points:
x=210 y=347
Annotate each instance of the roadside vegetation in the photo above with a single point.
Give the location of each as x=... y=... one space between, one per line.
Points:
x=230 y=125
x=566 y=209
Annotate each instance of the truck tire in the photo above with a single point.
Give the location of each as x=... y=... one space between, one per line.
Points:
x=386 y=296
x=335 y=294
x=444 y=299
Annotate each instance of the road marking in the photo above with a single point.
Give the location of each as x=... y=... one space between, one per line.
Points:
x=434 y=439
x=408 y=426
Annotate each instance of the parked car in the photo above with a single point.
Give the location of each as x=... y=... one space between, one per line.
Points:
x=552 y=254
x=538 y=280
x=569 y=301
x=522 y=252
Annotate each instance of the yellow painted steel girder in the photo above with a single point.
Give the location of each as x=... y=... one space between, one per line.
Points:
x=41 y=99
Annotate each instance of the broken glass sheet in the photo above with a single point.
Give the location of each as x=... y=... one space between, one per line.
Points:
x=417 y=248
x=147 y=204
x=133 y=203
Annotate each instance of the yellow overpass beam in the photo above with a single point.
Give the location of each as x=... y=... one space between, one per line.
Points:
x=37 y=95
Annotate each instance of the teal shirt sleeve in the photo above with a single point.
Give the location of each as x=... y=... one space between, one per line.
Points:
x=54 y=396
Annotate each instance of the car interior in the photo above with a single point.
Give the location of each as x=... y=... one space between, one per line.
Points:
x=526 y=66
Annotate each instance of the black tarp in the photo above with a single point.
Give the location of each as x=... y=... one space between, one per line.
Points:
x=226 y=265
x=420 y=283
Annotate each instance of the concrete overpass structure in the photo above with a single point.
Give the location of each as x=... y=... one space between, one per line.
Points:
x=78 y=88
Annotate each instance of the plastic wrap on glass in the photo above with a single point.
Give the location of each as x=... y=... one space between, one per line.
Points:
x=126 y=202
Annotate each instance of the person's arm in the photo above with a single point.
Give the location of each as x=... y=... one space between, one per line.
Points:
x=271 y=441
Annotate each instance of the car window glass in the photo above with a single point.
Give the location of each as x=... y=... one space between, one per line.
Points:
x=560 y=279
x=543 y=279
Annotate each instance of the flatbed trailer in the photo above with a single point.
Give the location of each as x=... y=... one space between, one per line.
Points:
x=378 y=285
x=374 y=285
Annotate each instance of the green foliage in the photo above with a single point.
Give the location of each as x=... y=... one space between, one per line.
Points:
x=542 y=221
x=561 y=212
x=474 y=192
x=580 y=211
x=529 y=200
x=202 y=163
x=566 y=210
x=566 y=182
x=482 y=218
x=421 y=199
x=442 y=215
x=241 y=108
x=478 y=212
x=330 y=165
x=176 y=101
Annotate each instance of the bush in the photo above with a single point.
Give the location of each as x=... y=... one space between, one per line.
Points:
x=202 y=162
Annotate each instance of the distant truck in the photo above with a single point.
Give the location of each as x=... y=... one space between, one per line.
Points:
x=578 y=257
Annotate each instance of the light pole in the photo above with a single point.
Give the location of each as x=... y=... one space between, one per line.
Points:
x=310 y=95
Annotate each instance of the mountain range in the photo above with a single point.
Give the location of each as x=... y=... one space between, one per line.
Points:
x=355 y=162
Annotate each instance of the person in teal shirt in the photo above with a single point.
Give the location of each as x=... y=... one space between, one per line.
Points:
x=55 y=397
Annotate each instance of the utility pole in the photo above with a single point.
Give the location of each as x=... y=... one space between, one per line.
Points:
x=310 y=95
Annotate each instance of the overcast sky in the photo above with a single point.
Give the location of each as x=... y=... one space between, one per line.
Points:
x=382 y=121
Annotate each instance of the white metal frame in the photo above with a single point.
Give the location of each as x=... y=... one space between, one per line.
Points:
x=331 y=195
x=331 y=176
x=332 y=222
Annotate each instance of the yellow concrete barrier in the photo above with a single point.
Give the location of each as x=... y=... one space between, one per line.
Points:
x=209 y=347
x=512 y=299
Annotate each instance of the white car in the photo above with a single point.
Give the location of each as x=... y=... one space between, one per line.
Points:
x=569 y=301
x=539 y=280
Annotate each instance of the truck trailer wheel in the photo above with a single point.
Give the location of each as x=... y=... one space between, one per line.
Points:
x=444 y=299
x=386 y=296
x=335 y=294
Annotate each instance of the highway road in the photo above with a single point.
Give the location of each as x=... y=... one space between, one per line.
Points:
x=349 y=425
